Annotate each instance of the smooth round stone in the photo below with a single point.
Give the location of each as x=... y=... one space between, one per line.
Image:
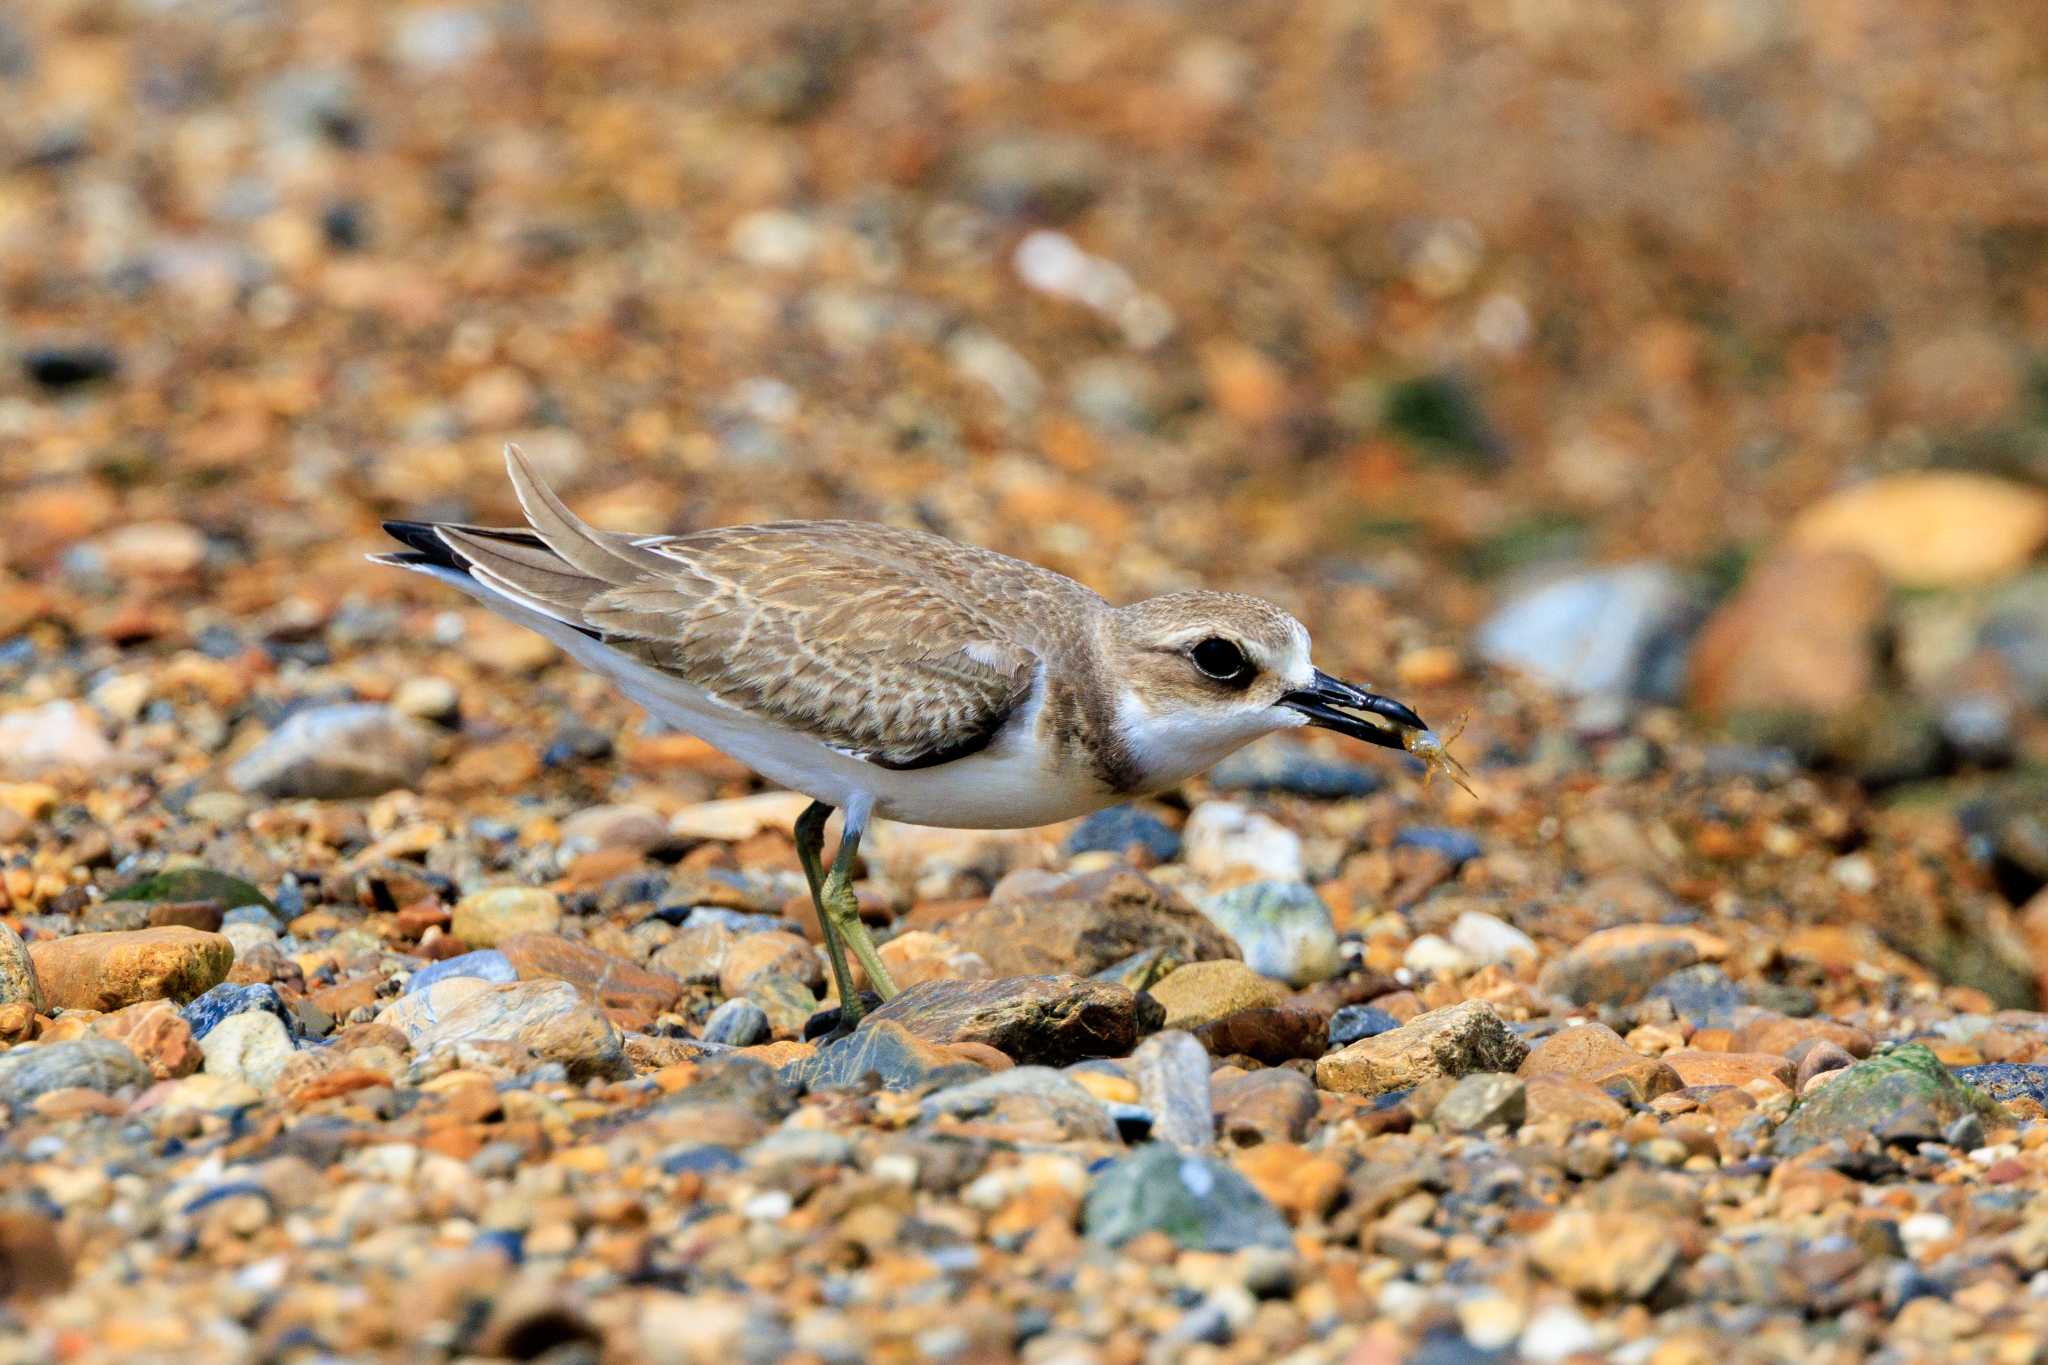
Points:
x=1116 y=829
x=1282 y=927
x=737 y=1023
x=486 y=964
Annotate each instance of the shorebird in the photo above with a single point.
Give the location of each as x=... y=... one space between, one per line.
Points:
x=894 y=673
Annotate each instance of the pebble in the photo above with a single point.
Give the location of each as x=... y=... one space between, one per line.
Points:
x=1122 y=828
x=737 y=1023
x=1605 y=1256
x=1280 y=765
x=1045 y=1020
x=107 y=971
x=1451 y=1042
x=99 y=1064
x=1172 y=1070
x=1271 y=1035
x=1354 y=1022
x=1033 y=1103
x=1198 y=1202
x=251 y=1047
x=1597 y=1055
x=1800 y=637
x=334 y=753
x=547 y=1018
x=631 y=994
x=1599 y=633
x=485 y=964
x=1085 y=925
x=1903 y=1096
x=1620 y=965
x=227 y=1000
x=1932 y=529
x=55 y=737
x=1274 y=1105
x=1283 y=930
x=18 y=983
x=1489 y=939
x=1701 y=995
x=485 y=918
x=1481 y=1101
x=884 y=1053
x=1203 y=992
x=1224 y=838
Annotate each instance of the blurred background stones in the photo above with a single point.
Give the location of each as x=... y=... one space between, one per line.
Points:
x=1658 y=393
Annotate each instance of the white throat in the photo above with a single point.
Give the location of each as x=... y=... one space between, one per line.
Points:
x=1170 y=745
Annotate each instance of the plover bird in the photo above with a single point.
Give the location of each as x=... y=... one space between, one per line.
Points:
x=894 y=673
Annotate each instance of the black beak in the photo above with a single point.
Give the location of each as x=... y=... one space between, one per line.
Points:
x=1321 y=700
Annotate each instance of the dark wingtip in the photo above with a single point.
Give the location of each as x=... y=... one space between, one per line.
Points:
x=424 y=539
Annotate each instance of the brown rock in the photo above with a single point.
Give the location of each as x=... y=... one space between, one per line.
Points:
x=156 y=1032
x=1560 y=1099
x=1605 y=1255
x=1729 y=1068
x=1617 y=966
x=773 y=950
x=1782 y=1035
x=1203 y=992
x=1937 y=529
x=107 y=971
x=1033 y=1020
x=1275 y=1105
x=1449 y=1042
x=1596 y=1054
x=1086 y=924
x=34 y=1259
x=204 y=915
x=346 y=997
x=1271 y=1034
x=919 y=956
x=1801 y=635
x=630 y=993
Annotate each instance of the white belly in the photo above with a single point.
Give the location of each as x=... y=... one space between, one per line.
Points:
x=1009 y=785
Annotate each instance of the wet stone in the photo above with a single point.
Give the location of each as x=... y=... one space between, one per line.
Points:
x=1201 y=1203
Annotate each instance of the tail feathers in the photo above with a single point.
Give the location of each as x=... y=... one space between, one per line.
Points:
x=615 y=560
x=495 y=563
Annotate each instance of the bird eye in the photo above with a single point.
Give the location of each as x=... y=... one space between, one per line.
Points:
x=1222 y=660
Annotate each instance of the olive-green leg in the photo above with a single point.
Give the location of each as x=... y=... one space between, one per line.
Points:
x=810 y=849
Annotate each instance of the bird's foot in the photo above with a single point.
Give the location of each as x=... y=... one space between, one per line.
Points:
x=831 y=1024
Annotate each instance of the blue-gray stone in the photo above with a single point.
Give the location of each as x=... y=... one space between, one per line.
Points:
x=1283 y=929
x=1202 y=1204
x=705 y=1160
x=1353 y=1022
x=27 y=1073
x=1279 y=766
x=1618 y=632
x=228 y=998
x=1455 y=845
x=486 y=964
x=1116 y=829
x=738 y=1022
x=889 y=1052
x=1703 y=996
x=2004 y=1081
x=1034 y=1095
x=739 y=921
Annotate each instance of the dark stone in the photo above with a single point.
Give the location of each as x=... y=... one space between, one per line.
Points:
x=1115 y=830
x=1455 y=846
x=1353 y=1022
x=1046 y=1020
x=1278 y=766
x=826 y=1021
x=1272 y=1034
x=229 y=999
x=68 y=367
x=884 y=1049
x=1027 y=1095
x=1276 y=1105
x=737 y=1023
x=704 y=1160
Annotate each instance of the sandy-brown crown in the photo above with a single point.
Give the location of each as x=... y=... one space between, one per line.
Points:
x=1150 y=644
